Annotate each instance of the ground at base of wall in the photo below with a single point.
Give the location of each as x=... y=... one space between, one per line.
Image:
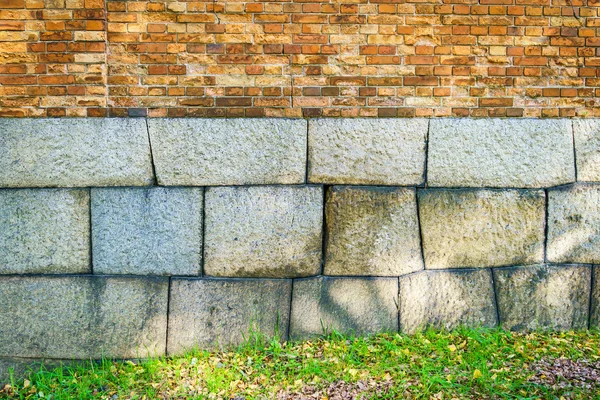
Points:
x=463 y=363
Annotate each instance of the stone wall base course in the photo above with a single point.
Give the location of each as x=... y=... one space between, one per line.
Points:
x=348 y=305
x=595 y=299
x=543 y=297
x=211 y=313
x=82 y=316
x=446 y=299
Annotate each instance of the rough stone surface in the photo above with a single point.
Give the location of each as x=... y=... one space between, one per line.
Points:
x=82 y=316
x=372 y=231
x=587 y=149
x=375 y=151
x=350 y=305
x=447 y=299
x=213 y=152
x=523 y=153
x=141 y=231
x=263 y=231
x=574 y=224
x=44 y=231
x=74 y=152
x=481 y=228
x=595 y=298
x=209 y=313
x=543 y=297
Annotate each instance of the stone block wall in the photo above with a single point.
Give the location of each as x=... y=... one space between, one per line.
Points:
x=132 y=237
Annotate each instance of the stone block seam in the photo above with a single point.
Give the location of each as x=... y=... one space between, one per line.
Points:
x=273 y=231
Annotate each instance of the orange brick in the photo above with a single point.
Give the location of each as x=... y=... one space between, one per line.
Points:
x=495 y=102
x=12 y=4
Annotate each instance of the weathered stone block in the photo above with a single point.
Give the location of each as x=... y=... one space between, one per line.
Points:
x=587 y=149
x=44 y=231
x=349 y=305
x=213 y=152
x=141 y=231
x=208 y=313
x=74 y=152
x=595 y=299
x=82 y=316
x=372 y=231
x=481 y=228
x=523 y=153
x=543 y=297
x=371 y=151
x=446 y=299
x=574 y=224
x=263 y=231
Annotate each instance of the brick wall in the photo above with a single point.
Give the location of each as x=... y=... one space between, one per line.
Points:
x=405 y=58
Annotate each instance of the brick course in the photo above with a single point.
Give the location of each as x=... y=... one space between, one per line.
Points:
x=392 y=58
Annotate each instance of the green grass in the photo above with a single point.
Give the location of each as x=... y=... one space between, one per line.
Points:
x=464 y=363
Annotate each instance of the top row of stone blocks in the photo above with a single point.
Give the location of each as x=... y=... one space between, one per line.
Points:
x=500 y=153
x=74 y=153
x=495 y=153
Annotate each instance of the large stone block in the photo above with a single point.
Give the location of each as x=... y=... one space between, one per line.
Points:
x=574 y=224
x=213 y=152
x=209 y=313
x=587 y=149
x=349 y=305
x=543 y=297
x=263 y=231
x=595 y=299
x=447 y=299
x=481 y=228
x=370 y=151
x=74 y=152
x=372 y=231
x=82 y=316
x=44 y=231
x=522 y=153
x=142 y=231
